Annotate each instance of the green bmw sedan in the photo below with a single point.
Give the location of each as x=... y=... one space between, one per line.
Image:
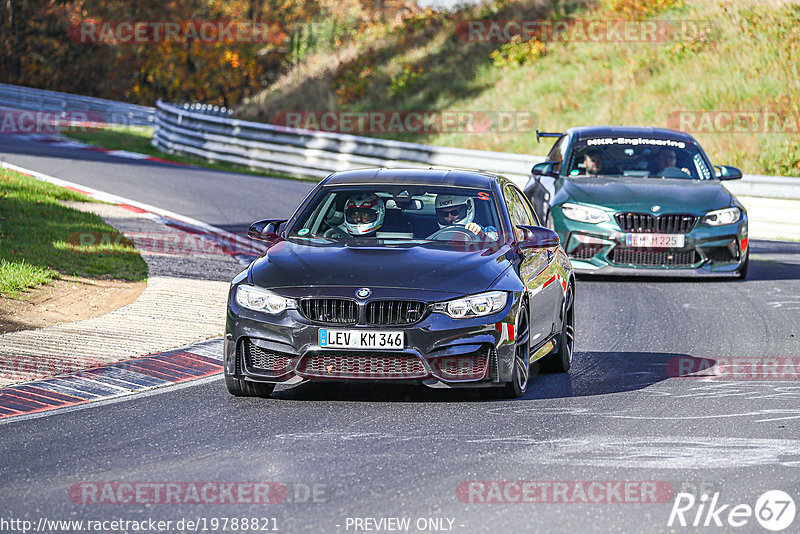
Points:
x=634 y=200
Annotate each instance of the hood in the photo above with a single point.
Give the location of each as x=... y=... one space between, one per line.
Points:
x=640 y=194
x=426 y=266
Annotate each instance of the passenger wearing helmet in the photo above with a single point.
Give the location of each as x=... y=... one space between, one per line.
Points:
x=456 y=210
x=363 y=215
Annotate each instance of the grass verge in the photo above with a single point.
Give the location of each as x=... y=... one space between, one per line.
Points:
x=40 y=238
x=137 y=139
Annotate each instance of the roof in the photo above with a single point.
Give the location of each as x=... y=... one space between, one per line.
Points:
x=587 y=132
x=457 y=177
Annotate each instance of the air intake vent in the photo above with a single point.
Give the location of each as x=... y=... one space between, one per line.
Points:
x=263 y=361
x=330 y=311
x=471 y=366
x=395 y=312
x=364 y=365
x=644 y=223
x=669 y=258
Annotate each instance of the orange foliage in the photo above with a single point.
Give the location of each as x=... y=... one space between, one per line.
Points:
x=44 y=46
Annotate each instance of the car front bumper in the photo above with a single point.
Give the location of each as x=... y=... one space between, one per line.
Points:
x=438 y=351
x=601 y=249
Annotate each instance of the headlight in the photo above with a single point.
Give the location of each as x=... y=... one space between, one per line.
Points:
x=723 y=216
x=474 y=306
x=254 y=298
x=576 y=212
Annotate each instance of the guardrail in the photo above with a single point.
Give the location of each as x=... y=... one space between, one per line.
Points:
x=756 y=185
x=211 y=133
x=109 y=111
x=214 y=135
x=309 y=153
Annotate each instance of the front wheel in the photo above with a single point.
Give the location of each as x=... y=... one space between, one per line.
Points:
x=560 y=360
x=242 y=388
x=741 y=274
x=521 y=370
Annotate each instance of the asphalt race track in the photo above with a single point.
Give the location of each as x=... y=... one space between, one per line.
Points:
x=404 y=452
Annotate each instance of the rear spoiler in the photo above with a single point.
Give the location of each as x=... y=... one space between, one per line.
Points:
x=547 y=134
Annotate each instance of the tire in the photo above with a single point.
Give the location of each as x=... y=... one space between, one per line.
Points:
x=521 y=372
x=242 y=388
x=741 y=274
x=560 y=360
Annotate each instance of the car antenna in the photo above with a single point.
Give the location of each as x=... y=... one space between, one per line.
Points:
x=547 y=134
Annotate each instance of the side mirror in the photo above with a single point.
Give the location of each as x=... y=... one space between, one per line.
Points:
x=726 y=172
x=266 y=230
x=545 y=169
x=538 y=237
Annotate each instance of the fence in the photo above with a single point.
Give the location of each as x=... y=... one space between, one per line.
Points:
x=216 y=136
x=211 y=133
x=312 y=154
x=110 y=111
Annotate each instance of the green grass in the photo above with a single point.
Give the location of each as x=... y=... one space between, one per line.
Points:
x=745 y=60
x=40 y=239
x=138 y=139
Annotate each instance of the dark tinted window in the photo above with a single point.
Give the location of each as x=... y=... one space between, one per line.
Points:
x=638 y=156
x=557 y=152
x=401 y=212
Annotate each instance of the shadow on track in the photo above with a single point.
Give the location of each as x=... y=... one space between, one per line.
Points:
x=374 y=392
x=593 y=373
x=602 y=373
x=774 y=260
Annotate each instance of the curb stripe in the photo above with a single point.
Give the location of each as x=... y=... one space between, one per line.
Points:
x=118 y=377
x=41 y=399
x=112 y=380
x=44 y=393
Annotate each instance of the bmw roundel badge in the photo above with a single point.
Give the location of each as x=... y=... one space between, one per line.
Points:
x=363 y=293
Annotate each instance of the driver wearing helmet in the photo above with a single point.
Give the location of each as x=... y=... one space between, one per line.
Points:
x=456 y=210
x=363 y=215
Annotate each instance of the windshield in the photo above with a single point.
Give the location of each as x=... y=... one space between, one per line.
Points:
x=645 y=157
x=398 y=213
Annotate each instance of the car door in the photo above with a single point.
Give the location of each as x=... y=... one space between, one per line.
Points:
x=535 y=268
x=553 y=290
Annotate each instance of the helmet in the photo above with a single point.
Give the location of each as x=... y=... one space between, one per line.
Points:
x=448 y=203
x=363 y=213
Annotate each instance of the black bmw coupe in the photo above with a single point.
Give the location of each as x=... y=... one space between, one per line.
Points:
x=436 y=277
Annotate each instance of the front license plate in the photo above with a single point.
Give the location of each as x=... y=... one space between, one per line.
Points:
x=655 y=240
x=361 y=339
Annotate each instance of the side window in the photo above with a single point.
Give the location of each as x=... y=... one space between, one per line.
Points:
x=557 y=153
x=517 y=210
x=526 y=205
